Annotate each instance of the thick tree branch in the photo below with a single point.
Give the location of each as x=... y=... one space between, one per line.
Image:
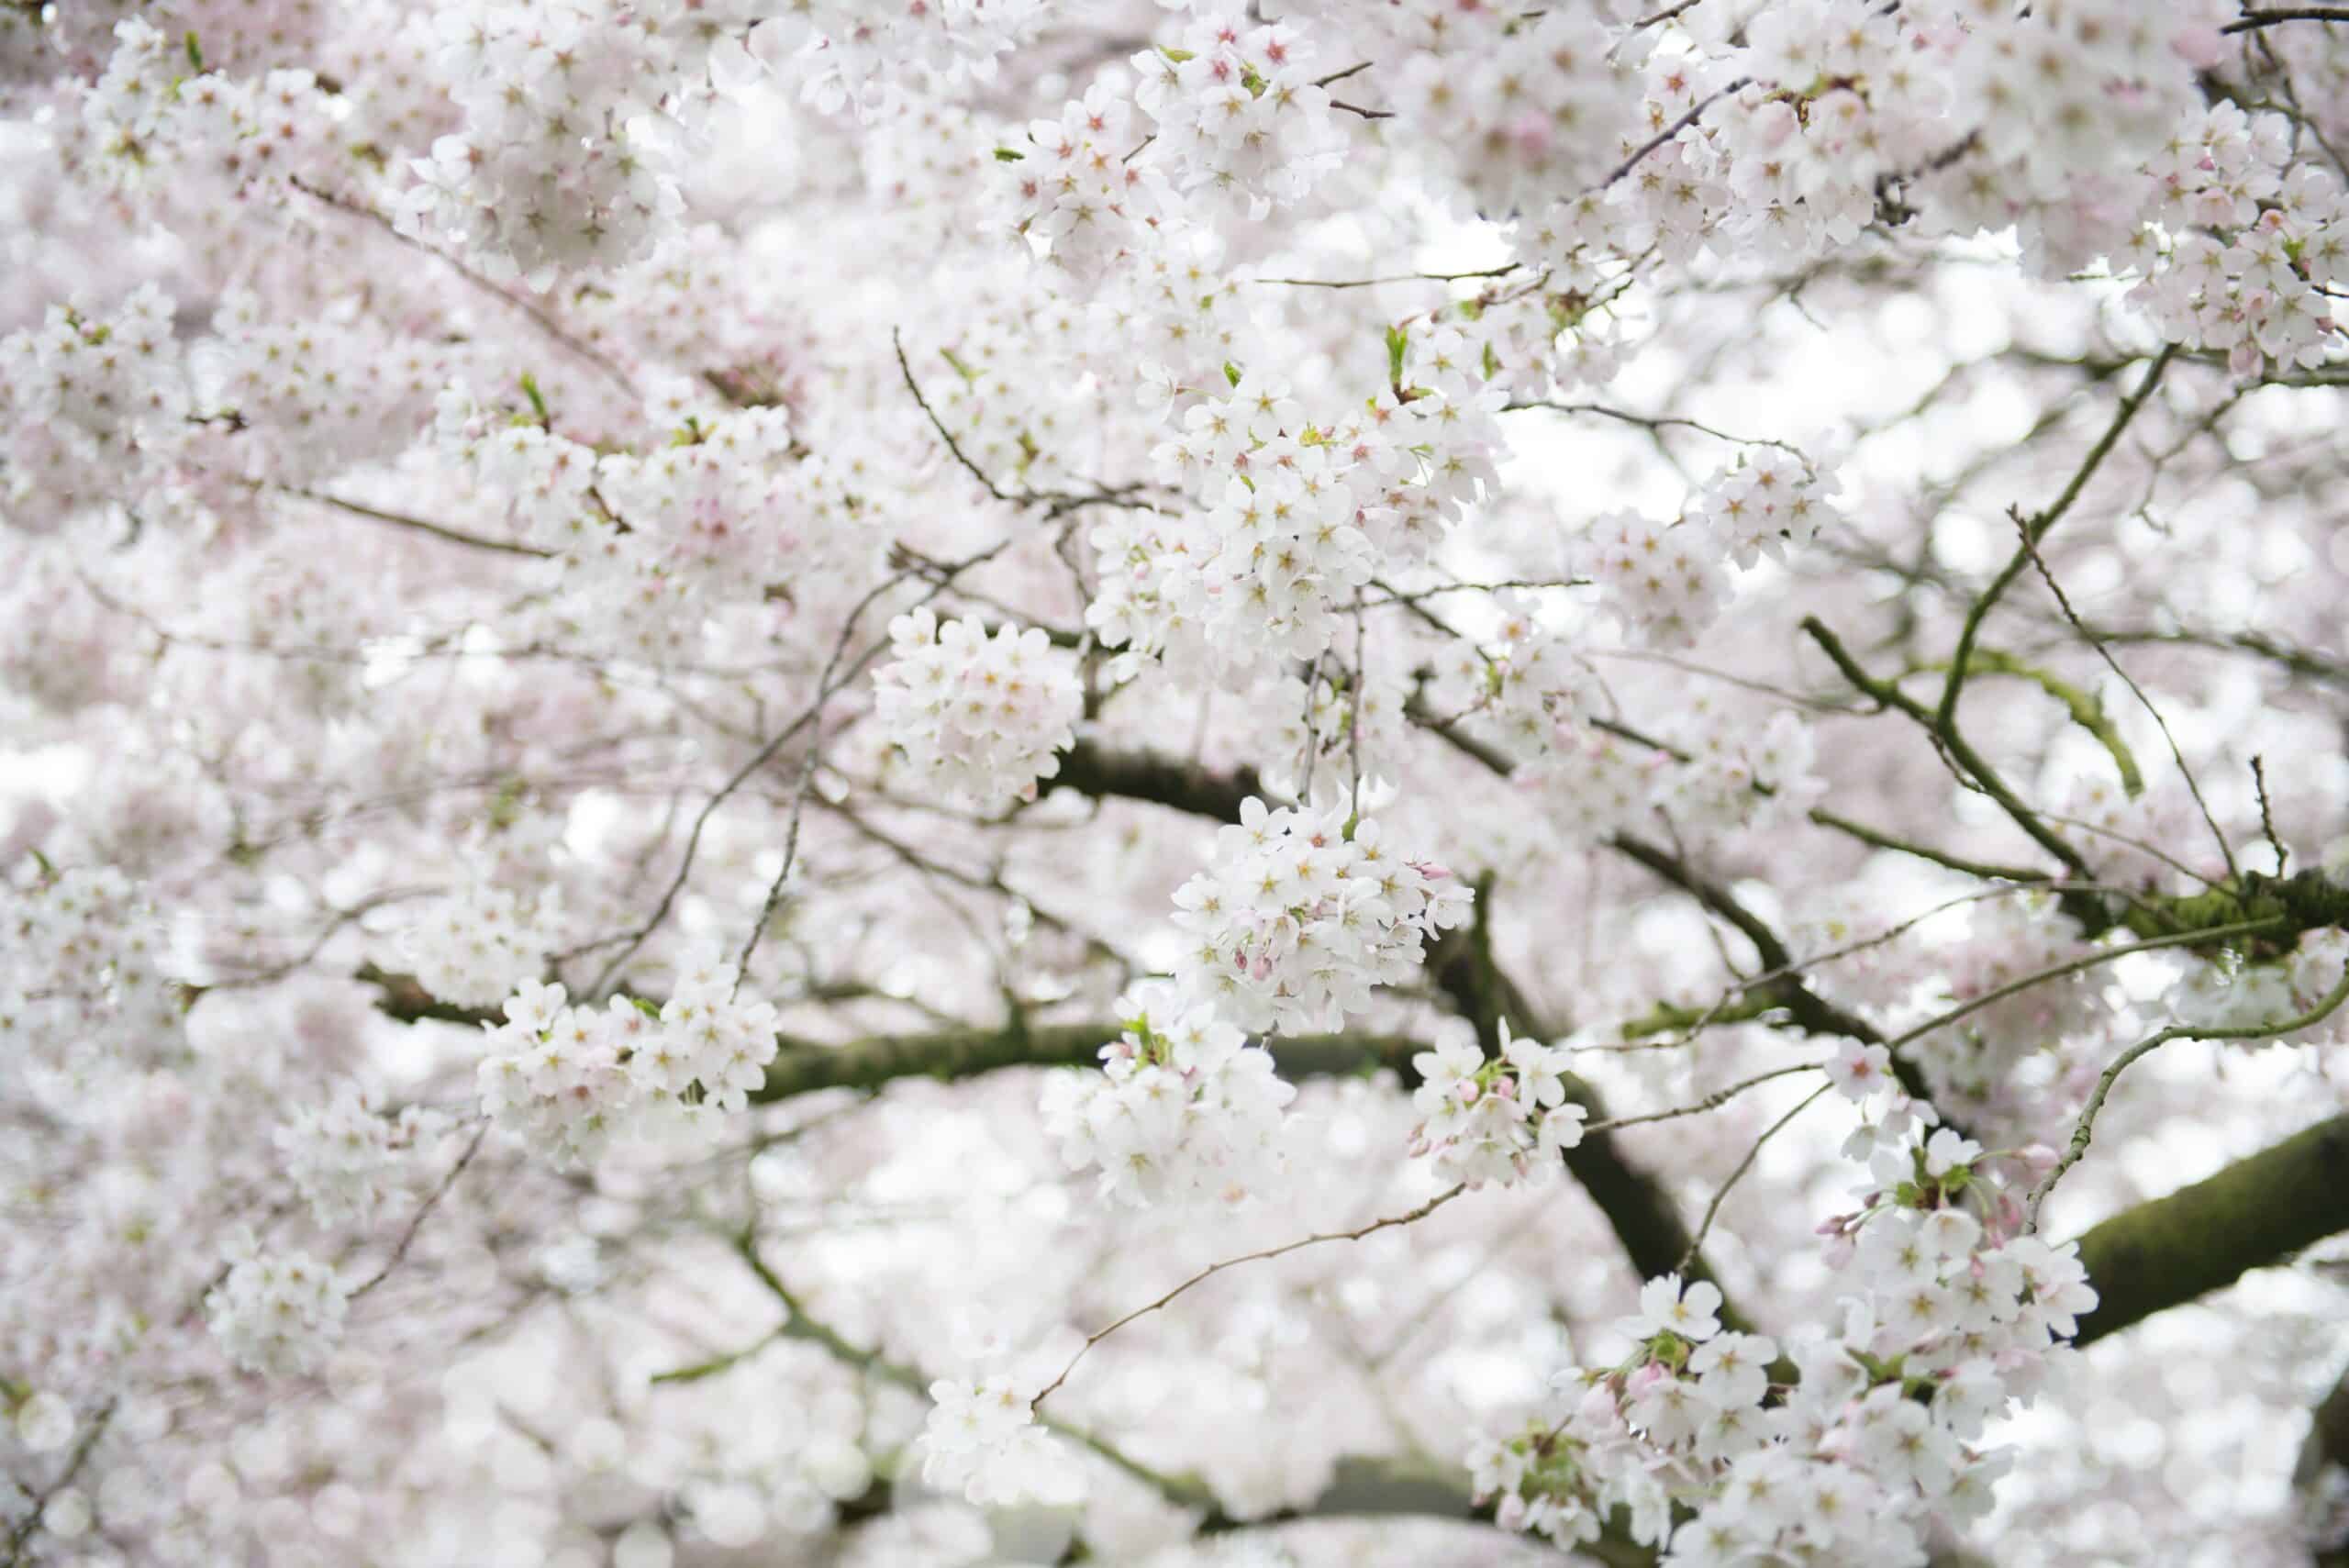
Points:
x=2203 y=1237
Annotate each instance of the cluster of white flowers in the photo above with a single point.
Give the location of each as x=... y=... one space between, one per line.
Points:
x=571 y=1080
x=982 y=1440
x=43 y=1421
x=1709 y=773
x=84 y=993
x=2235 y=257
x=2226 y=992
x=1295 y=517
x=157 y=109
x=311 y=395
x=2008 y=940
x=1302 y=912
x=88 y=396
x=652 y=545
x=1498 y=1119
x=853 y=54
x=1772 y=500
x=1075 y=190
x=344 y=1154
x=1523 y=115
x=1666 y=582
x=1236 y=109
x=1183 y=1106
x=1951 y=1316
x=568 y=160
x=276 y=1313
x=480 y=945
x=979 y=719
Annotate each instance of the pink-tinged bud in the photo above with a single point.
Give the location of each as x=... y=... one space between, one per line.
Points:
x=1510 y=1512
x=2038 y=1157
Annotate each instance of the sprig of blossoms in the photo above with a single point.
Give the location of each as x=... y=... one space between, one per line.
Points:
x=276 y=1313
x=569 y=1080
x=564 y=162
x=1183 y=1106
x=979 y=718
x=1953 y=1315
x=344 y=1155
x=477 y=947
x=1236 y=110
x=982 y=1440
x=1499 y=1118
x=1302 y=912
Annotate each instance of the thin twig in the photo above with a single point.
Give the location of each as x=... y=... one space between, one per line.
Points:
x=1212 y=1270
x=2251 y=20
x=418 y=524
x=2084 y=1129
x=2030 y=548
x=1666 y=134
x=1704 y=1226
x=1713 y=1101
x=431 y=1202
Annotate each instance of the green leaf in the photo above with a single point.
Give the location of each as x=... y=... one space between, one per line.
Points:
x=194 y=54
x=1231 y=372
x=1006 y=155
x=1397 y=339
x=537 y=400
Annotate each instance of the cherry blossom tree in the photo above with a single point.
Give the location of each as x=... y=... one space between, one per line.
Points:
x=1163 y=782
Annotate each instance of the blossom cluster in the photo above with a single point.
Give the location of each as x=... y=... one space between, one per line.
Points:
x=1296 y=515
x=979 y=719
x=563 y=164
x=2235 y=255
x=87 y=992
x=1301 y=912
x=277 y=1313
x=1854 y=1443
x=1183 y=1106
x=1500 y=1119
x=2227 y=992
x=1236 y=109
x=156 y=110
x=480 y=945
x=1707 y=774
x=572 y=1080
x=982 y=1439
x=345 y=1154
x=89 y=395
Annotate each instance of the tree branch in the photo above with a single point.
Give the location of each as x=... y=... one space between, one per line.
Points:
x=2202 y=1238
